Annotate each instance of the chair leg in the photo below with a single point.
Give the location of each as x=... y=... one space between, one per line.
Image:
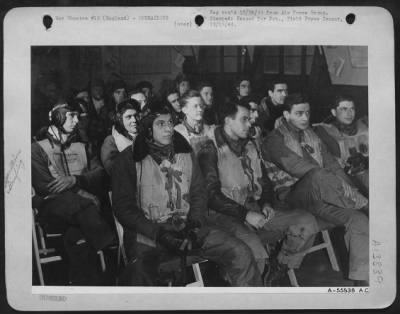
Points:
x=36 y=252
x=198 y=277
x=331 y=252
x=197 y=274
x=41 y=235
x=102 y=262
x=120 y=234
x=122 y=255
x=292 y=277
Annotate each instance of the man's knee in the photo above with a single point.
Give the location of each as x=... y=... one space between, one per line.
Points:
x=300 y=232
x=358 y=223
x=238 y=250
x=304 y=225
x=307 y=220
x=239 y=231
x=317 y=175
x=91 y=214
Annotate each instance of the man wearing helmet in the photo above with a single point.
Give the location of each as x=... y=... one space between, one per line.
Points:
x=67 y=180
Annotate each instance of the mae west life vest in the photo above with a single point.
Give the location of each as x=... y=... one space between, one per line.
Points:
x=310 y=139
x=71 y=161
x=163 y=190
x=196 y=141
x=349 y=143
x=239 y=182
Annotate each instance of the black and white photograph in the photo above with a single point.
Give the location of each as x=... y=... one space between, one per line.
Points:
x=249 y=194
x=214 y=167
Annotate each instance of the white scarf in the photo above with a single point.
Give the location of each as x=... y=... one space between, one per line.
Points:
x=121 y=141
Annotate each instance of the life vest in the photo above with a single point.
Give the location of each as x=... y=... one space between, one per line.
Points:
x=196 y=140
x=163 y=190
x=73 y=161
x=239 y=183
x=310 y=139
x=347 y=143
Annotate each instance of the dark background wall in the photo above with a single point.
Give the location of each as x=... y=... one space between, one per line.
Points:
x=57 y=72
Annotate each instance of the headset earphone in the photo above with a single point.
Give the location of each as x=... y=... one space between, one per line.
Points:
x=55 y=116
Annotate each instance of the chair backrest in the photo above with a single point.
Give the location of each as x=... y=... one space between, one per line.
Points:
x=120 y=233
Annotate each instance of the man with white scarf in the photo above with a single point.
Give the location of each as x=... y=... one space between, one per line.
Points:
x=123 y=133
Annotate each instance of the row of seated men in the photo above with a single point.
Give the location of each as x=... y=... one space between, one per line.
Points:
x=221 y=191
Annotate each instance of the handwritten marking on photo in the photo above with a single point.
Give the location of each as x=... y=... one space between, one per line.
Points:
x=12 y=175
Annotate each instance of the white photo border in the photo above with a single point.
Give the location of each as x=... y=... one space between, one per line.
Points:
x=23 y=29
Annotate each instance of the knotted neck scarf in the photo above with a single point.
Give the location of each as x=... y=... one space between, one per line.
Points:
x=165 y=157
x=198 y=129
x=239 y=149
x=160 y=153
x=350 y=129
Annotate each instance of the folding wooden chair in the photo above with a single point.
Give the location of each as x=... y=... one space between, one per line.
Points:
x=325 y=244
x=42 y=254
